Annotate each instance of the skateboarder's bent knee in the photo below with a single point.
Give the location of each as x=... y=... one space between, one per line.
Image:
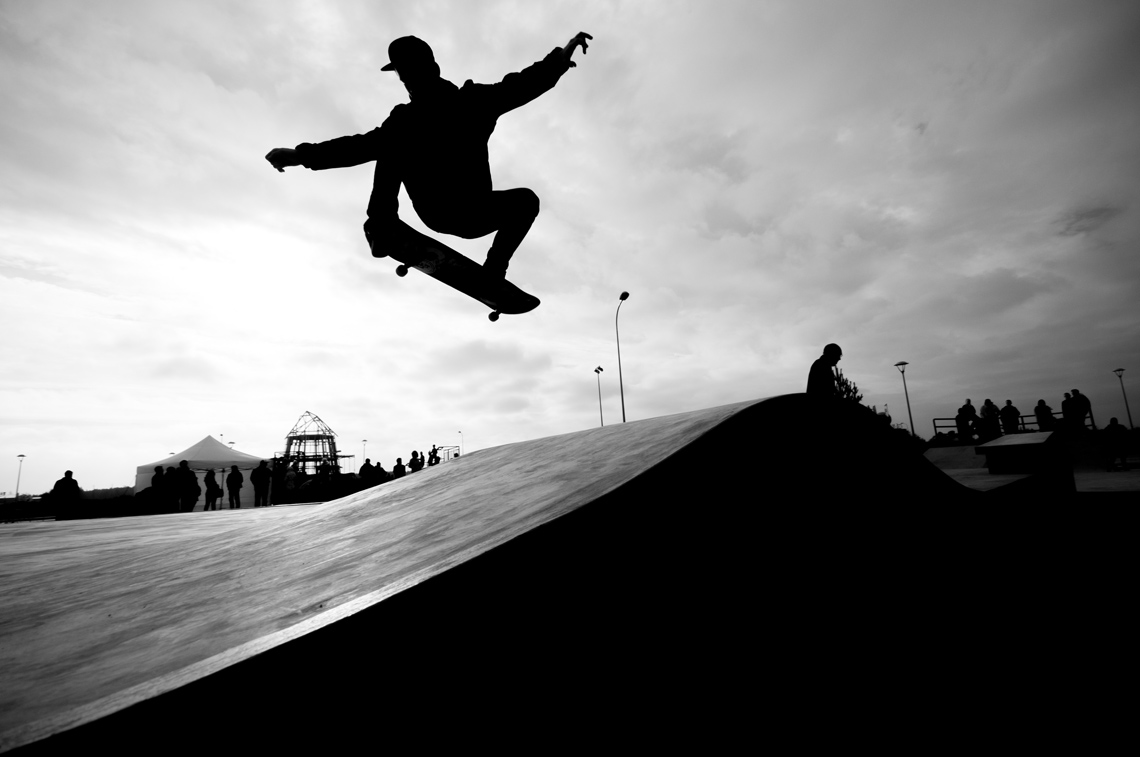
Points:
x=528 y=203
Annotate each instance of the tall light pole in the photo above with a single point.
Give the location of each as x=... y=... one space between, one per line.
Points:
x=621 y=387
x=364 y=454
x=19 y=471
x=1120 y=375
x=460 y=442
x=901 y=365
x=598 y=371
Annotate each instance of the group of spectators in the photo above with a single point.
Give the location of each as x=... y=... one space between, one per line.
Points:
x=176 y=490
x=371 y=475
x=992 y=421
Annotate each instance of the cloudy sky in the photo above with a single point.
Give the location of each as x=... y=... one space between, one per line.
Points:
x=953 y=184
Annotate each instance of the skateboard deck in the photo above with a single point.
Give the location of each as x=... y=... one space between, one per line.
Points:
x=415 y=250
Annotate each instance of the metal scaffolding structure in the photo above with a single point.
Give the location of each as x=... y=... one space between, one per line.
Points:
x=311 y=444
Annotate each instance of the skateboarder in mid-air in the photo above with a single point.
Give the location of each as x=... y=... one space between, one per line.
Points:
x=436 y=145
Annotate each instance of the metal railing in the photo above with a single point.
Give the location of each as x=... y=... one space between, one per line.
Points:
x=1025 y=423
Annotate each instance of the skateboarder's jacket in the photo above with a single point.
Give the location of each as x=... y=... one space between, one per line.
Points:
x=437 y=144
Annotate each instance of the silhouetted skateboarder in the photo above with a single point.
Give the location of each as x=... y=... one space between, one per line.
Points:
x=436 y=145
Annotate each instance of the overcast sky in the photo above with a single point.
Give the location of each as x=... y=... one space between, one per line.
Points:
x=953 y=184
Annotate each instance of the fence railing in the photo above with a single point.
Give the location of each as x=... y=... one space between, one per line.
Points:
x=1024 y=422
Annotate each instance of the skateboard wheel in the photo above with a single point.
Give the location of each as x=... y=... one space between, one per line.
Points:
x=402 y=270
x=494 y=316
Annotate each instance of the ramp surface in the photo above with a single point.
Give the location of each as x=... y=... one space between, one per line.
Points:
x=611 y=540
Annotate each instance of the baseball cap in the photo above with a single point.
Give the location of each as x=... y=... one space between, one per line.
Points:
x=408 y=53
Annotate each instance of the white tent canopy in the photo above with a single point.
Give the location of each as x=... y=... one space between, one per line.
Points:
x=206 y=454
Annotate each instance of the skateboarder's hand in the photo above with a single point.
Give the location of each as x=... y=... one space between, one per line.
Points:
x=281 y=157
x=578 y=39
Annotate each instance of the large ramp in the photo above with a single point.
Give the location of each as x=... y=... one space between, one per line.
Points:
x=622 y=561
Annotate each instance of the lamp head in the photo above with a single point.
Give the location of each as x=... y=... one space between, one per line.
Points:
x=1119 y=372
x=624 y=296
x=901 y=365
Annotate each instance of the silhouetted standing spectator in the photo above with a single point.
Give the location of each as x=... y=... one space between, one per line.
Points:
x=366 y=470
x=1010 y=418
x=278 y=485
x=155 y=496
x=1115 y=445
x=65 y=493
x=416 y=463
x=379 y=475
x=964 y=421
x=170 y=494
x=821 y=377
x=433 y=456
x=398 y=470
x=260 y=478
x=213 y=491
x=990 y=421
x=972 y=413
x=291 y=482
x=1044 y=415
x=233 y=486
x=188 y=489
x=1084 y=408
x=1069 y=413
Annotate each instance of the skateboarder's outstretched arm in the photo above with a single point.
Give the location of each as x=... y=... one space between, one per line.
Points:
x=341 y=152
x=517 y=89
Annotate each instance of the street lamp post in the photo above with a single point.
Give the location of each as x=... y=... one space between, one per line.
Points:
x=901 y=365
x=621 y=386
x=364 y=453
x=598 y=371
x=19 y=471
x=1120 y=375
x=460 y=442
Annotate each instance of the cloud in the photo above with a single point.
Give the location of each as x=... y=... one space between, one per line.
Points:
x=184 y=369
x=479 y=358
x=1085 y=220
x=702 y=151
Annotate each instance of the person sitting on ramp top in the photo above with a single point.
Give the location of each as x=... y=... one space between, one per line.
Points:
x=821 y=377
x=436 y=145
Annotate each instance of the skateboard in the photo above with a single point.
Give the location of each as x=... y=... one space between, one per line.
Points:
x=415 y=250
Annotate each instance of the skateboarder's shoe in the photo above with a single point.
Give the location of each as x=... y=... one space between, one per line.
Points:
x=495 y=269
x=384 y=236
